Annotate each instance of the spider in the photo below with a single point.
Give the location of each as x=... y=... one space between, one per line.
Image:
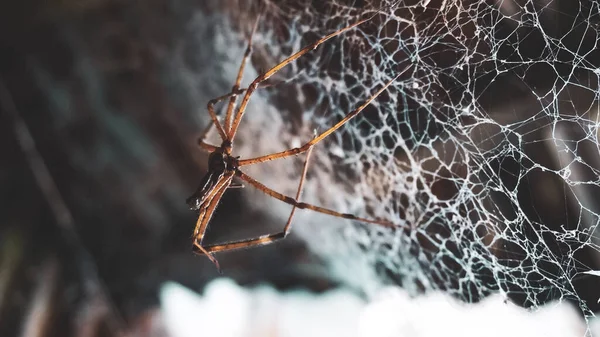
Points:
x=223 y=167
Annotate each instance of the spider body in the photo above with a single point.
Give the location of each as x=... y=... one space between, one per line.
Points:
x=220 y=164
x=223 y=167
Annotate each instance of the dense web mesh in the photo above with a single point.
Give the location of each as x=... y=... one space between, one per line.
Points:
x=484 y=151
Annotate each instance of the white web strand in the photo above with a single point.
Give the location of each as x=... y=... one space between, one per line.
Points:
x=487 y=149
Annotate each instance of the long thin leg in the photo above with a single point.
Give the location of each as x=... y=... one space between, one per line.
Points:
x=205 y=216
x=269 y=238
x=213 y=115
x=211 y=109
x=294 y=202
x=238 y=80
x=320 y=137
x=252 y=87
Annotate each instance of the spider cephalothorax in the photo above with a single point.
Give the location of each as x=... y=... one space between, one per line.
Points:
x=218 y=163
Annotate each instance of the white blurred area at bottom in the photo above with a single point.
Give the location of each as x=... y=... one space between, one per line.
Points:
x=228 y=310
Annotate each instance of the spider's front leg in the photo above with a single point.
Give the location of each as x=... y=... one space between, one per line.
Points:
x=215 y=121
x=265 y=76
x=235 y=91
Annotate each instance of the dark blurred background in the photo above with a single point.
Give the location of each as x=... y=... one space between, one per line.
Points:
x=97 y=145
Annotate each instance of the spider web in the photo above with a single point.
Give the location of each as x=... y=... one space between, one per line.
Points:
x=484 y=151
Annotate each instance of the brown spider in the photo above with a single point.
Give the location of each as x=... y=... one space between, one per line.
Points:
x=223 y=167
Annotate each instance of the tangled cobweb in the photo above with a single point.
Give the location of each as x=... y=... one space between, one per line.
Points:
x=484 y=151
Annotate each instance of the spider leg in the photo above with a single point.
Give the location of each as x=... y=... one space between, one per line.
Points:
x=269 y=238
x=211 y=109
x=198 y=249
x=213 y=115
x=310 y=144
x=252 y=87
x=215 y=121
x=294 y=202
x=236 y=185
x=238 y=81
x=206 y=213
x=205 y=146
